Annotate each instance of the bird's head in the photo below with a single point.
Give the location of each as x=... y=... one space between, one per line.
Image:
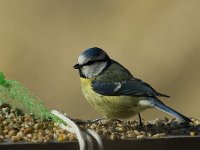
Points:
x=92 y=62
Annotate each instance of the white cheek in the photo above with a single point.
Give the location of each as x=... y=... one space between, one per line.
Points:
x=93 y=70
x=87 y=71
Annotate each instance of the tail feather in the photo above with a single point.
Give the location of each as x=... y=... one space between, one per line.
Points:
x=161 y=106
x=162 y=95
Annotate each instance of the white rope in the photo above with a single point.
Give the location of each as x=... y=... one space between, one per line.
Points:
x=75 y=130
x=89 y=141
x=96 y=137
x=86 y=136
x=81 y=136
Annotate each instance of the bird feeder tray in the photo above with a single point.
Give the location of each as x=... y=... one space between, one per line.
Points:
x=168 y=143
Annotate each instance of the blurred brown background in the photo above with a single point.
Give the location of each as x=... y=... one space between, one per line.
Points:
x=158 y=41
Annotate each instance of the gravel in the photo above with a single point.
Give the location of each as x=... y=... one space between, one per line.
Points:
x=157 y=128
x=16 y=126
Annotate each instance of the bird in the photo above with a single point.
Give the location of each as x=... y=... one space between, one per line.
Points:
x=113 y=91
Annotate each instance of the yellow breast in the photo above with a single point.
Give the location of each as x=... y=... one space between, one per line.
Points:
x=110 y=106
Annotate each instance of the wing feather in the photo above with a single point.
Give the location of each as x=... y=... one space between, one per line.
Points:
x=133 y=87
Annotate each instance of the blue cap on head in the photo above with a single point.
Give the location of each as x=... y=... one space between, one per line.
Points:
x=92 y=54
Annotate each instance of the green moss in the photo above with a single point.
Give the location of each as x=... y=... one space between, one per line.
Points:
x=15 y=94
x=2 y=78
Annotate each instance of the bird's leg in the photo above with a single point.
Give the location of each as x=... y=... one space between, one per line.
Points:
x=79 y=122
x=103 y=120
x=94 y=120
x=140 y=120
x=118 y=120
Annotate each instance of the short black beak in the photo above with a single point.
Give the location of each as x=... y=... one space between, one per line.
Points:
x=77 y=66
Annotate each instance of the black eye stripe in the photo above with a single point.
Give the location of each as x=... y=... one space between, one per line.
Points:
x=89 y=63
x=94 y=61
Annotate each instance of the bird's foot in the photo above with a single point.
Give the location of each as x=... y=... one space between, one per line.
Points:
x=185 y=124
x=111 y=121
x=141 y=124
x=101 y=120
x=79 y=122
x=94 y=120
x=140 y=120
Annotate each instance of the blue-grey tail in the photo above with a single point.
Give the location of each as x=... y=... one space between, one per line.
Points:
x=161 y=106
x=162 y=95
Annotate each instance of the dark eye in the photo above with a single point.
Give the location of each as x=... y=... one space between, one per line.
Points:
x=89 y=63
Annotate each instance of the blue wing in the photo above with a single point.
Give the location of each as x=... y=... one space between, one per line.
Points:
x=133 y=87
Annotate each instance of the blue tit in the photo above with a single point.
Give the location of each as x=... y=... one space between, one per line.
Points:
x=113 y=91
